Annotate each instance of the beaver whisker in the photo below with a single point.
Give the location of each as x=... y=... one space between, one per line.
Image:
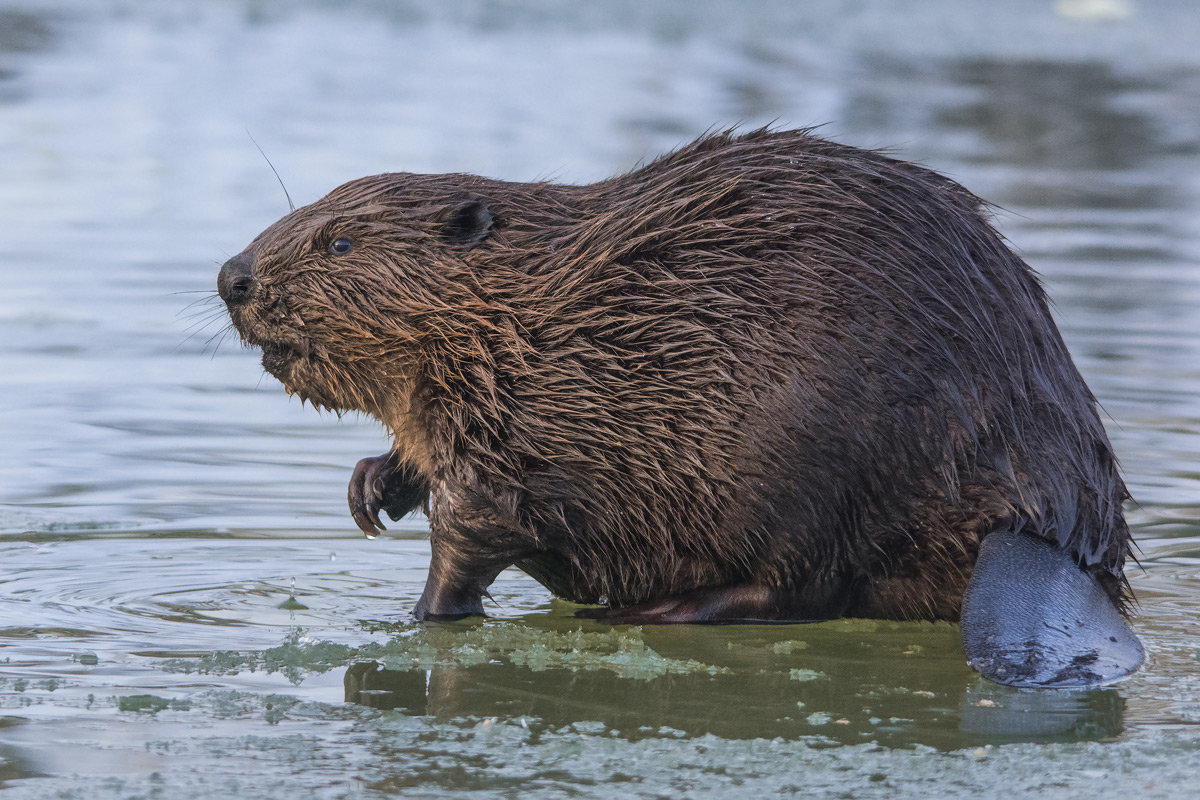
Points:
x=220 y=338
x=210 y=297
x=199 y=326
x=202 y=318
x=291 y=205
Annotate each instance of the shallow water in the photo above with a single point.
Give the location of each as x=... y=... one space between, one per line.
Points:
x=185 y=606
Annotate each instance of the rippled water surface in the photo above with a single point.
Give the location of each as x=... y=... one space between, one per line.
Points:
x=185 y=607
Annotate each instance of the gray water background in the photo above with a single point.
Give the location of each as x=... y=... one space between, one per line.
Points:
x=182 y=593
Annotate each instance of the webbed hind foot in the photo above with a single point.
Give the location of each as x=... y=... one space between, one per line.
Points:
x=722 y=605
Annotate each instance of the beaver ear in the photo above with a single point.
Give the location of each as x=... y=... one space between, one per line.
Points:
x=469 y=224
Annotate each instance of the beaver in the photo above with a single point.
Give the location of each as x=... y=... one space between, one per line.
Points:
x=766 y=377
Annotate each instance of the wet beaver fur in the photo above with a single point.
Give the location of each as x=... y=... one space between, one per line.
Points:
x=765 y=377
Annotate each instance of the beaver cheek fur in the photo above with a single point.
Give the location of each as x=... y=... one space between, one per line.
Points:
x=261 y=313
x=764 y=378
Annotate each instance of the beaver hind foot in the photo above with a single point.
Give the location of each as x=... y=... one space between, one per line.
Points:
x=727 y=605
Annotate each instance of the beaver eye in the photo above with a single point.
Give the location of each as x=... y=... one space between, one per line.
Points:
x=341 y=246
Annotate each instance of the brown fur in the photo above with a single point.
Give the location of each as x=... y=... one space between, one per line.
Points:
x=765 y=361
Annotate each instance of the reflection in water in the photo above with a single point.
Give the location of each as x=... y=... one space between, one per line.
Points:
x=722 y=706
x=20 y=32
x=14 y=763
x=1038 y=715
x=23 y=31
x=1051 y=114
x=744 y=689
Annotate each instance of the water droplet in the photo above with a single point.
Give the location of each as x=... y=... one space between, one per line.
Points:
x=292 y=604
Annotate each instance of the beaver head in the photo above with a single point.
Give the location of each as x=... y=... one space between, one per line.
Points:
x=342 y=295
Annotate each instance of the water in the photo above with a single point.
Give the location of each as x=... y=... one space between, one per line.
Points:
x=185 y=607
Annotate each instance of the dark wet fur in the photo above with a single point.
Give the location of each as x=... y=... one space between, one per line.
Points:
x=763 y=362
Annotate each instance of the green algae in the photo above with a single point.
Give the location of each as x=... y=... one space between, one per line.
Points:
x=622 y=652
x=150 y=704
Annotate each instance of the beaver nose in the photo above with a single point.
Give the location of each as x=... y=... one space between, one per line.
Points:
x=236 y=279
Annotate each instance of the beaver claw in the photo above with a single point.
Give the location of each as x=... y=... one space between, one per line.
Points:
x=383 y=483
x=366 y=493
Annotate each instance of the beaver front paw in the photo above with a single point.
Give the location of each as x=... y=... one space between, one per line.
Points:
x=383 y=483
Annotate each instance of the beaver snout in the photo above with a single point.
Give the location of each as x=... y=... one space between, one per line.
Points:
x=236 y=279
